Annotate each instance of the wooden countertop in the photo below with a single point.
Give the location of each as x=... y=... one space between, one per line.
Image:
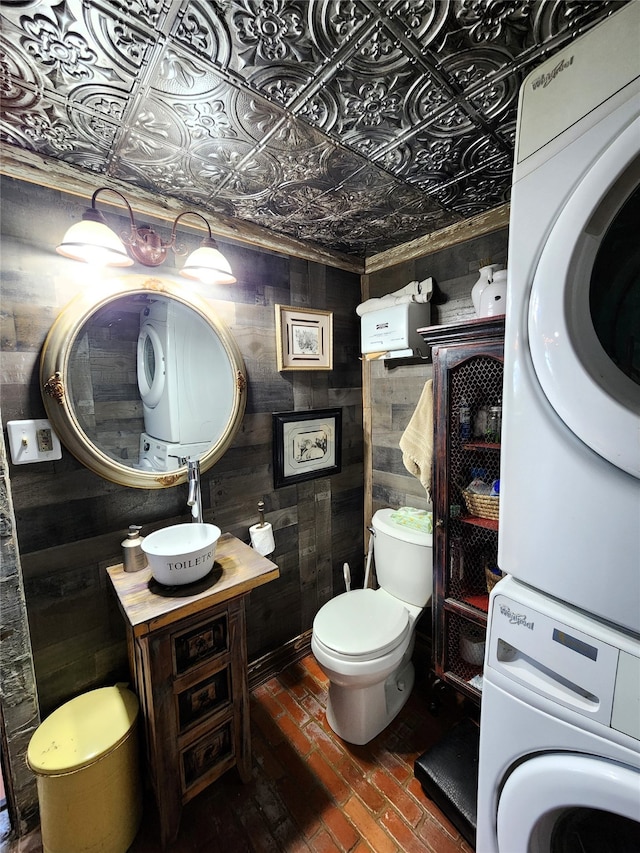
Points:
x=148 y=605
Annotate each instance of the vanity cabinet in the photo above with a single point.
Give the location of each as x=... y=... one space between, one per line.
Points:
x=467 y=368
x=188 y=658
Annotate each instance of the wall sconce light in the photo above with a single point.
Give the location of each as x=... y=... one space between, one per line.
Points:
x=92 y=240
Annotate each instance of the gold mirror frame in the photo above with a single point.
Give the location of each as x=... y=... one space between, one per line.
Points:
x=54 y=380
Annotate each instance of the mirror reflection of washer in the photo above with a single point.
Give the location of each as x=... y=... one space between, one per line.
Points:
x=570 y=459
x=185 y=402
x=560 y=737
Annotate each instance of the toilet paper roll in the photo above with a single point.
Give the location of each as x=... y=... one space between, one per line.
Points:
x=262 y=539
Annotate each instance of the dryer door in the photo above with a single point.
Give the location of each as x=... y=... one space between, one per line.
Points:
x=584 y=312
x=151 y=366
x=570 y=803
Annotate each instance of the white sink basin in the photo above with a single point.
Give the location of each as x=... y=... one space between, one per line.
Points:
x=181 y=553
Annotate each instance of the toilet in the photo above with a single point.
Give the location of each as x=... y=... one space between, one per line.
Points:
x=363 y=640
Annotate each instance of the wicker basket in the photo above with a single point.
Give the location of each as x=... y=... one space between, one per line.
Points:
x=491 y=578
x=482 y=505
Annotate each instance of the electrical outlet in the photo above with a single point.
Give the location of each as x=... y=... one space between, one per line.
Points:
x=33 y=441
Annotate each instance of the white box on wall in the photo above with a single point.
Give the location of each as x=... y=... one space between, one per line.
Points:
x=393 y=328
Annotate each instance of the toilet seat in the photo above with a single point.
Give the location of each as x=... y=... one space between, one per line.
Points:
x=362 y=624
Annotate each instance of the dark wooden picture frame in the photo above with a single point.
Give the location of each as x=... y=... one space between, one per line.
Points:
x=306 y=445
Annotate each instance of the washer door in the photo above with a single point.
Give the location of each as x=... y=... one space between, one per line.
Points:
x=589 y=273
x=567 y=803
x=151 y=369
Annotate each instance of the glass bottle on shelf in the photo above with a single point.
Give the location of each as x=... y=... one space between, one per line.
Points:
x=494 y=424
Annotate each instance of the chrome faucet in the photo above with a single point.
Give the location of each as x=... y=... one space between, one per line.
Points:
x=194 y=498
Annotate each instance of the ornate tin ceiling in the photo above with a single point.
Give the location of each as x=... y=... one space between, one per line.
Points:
x=353 y=124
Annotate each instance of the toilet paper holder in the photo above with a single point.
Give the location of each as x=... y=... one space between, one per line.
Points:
x=261 y=534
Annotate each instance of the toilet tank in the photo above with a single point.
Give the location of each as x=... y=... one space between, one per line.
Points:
x=403 y=559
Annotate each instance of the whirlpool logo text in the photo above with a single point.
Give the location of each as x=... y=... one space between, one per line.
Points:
x=544 y=79
x=516 y=618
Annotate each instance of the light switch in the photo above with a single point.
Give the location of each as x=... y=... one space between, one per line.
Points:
x=32 y=441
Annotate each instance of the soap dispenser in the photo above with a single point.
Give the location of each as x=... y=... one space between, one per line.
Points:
x=133 y=557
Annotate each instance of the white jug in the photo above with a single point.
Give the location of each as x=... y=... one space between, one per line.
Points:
x=493 y=299
x=486 y=277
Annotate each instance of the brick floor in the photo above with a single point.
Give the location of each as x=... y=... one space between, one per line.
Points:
x=310 y=790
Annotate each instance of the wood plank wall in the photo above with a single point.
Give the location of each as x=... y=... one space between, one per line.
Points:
x=70 y=522
x=394 y=392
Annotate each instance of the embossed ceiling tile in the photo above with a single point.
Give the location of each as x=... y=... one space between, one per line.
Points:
x=259 y=120
x=176 y=73
x=428 y=153
x=451 y=122
x=124 y=39
x=269 y=34
x=490 y=156
x=428 y=97
x=480 y=75
x=201 y=29
x=102 y=101
x=94 y=128
x=554 y=17
x=506 y=24
x=371 y=110
x=302 y=202
x=232 y=167
x=523 y=27
x=352 y=172
x=147 y=13
x=305 y=164
x=21 y=84
x=409 y=200
x=173 y=177
x=424 y=20
x=480 y=192
x=48 y=130
x=154 y=120
x=137 y=149
x=282 y=48
x=281 y=85
x=73 y=43
x=506 y=133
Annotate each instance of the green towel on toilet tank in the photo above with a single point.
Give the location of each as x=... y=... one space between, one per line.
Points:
x=414 y=519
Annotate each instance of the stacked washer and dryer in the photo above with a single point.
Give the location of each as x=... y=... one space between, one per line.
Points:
x=559 y=766
x=185 y=383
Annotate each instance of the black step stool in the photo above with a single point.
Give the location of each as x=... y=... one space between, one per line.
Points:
x=448 y=773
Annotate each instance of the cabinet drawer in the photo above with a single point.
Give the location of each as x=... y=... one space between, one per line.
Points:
x=200 y=700
x=200 y=643
x=208 y=757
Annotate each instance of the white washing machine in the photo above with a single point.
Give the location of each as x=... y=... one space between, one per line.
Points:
x=559 y=764
x=570 y=464
x=187 y=390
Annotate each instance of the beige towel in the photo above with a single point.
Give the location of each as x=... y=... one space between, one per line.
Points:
x=416 y=443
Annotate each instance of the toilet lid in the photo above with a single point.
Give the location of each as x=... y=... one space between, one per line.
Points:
x=363 y=622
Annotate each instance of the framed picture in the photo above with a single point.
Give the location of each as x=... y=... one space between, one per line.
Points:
x=304 y=338
x=306 y=445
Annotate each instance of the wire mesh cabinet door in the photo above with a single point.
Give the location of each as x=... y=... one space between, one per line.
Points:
x=467 y=377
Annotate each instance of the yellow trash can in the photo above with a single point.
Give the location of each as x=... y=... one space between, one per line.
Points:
x=85 y=757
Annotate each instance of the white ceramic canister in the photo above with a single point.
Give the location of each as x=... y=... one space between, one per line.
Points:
x=493 y=300
x=486 y=277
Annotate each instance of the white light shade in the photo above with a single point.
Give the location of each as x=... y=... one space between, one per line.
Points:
x=209 y=266
x=94 y=242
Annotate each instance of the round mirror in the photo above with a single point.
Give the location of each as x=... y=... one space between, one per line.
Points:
x=140 y=376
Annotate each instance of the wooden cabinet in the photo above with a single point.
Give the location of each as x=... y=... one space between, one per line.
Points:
x=467 y=367
x=188 y=659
